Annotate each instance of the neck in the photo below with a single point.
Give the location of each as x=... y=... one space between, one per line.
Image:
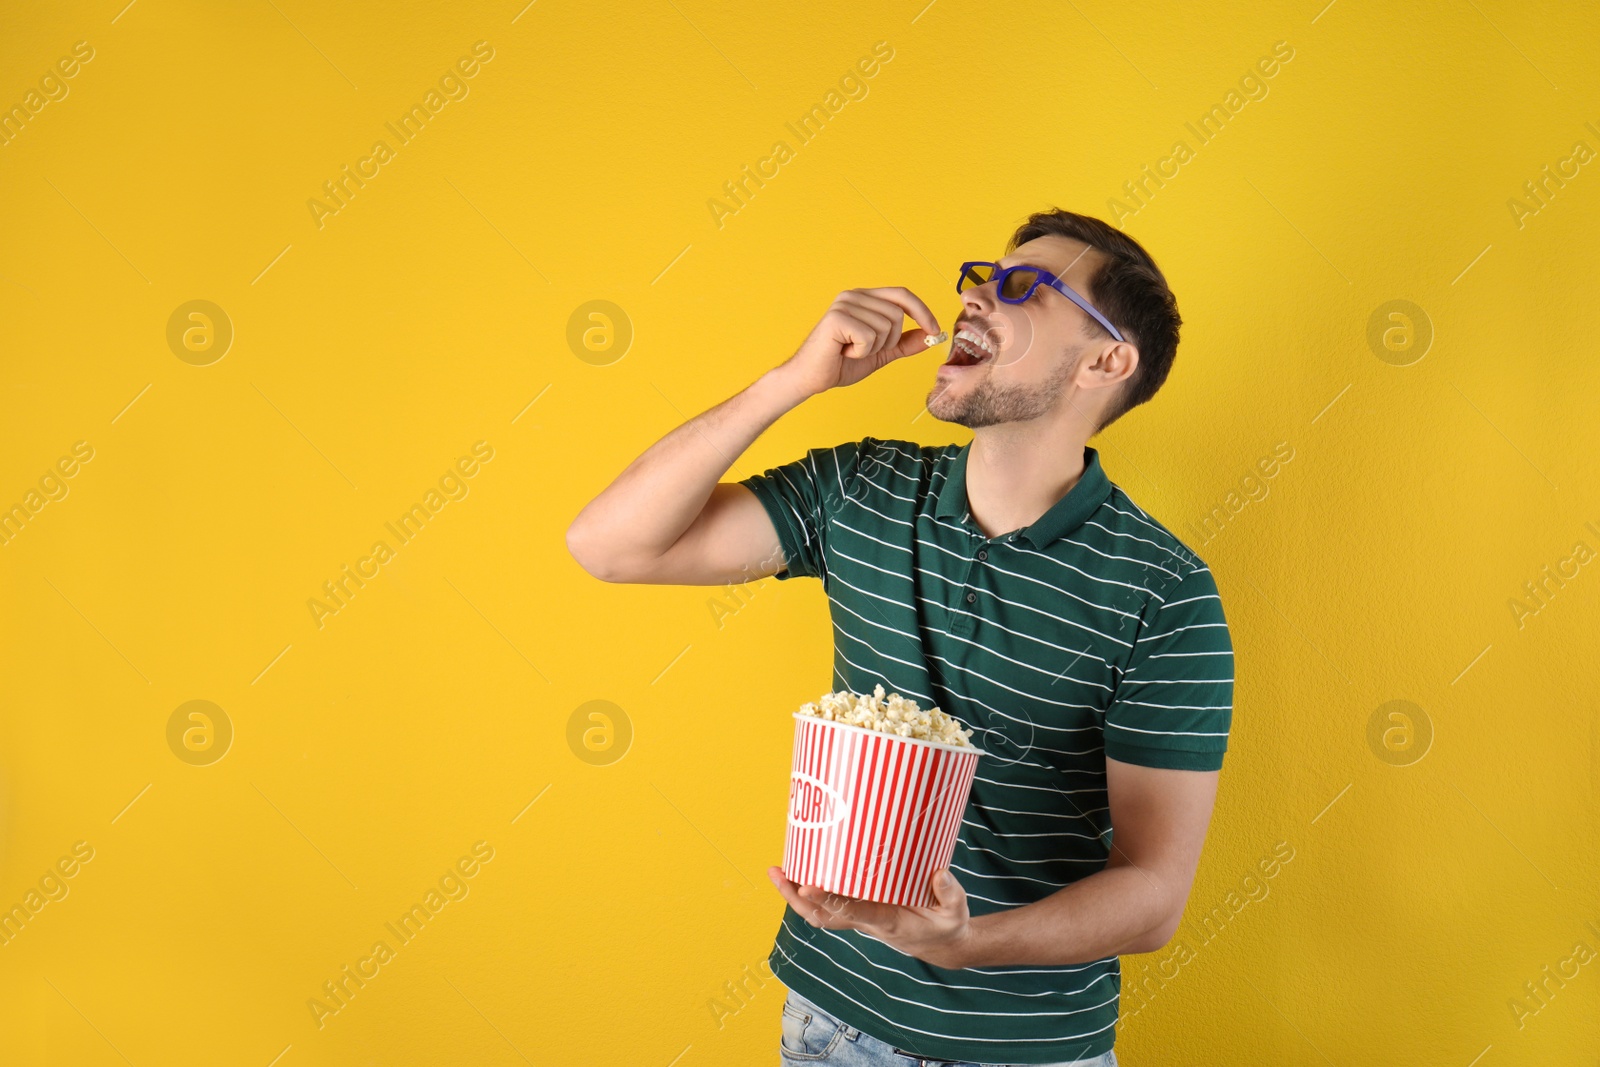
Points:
x=1017 y=472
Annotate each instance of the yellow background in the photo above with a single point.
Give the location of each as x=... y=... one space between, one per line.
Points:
x=432 y=310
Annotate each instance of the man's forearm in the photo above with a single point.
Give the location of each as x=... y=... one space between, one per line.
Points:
x=644 y=511
x=1114 y=911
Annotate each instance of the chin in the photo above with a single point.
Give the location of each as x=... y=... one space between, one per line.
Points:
x=942 y=409
x=939 y=404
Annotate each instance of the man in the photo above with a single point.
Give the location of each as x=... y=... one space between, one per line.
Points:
x=1011 y=584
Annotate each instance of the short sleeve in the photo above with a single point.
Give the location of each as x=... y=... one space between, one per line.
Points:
x=801 y=497
x=1173 y=705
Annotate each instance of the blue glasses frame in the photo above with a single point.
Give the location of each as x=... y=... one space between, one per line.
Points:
x=1040 y=277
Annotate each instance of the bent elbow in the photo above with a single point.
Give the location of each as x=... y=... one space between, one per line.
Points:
x=1158 y=937
x=1151 y=942
x=587 y=555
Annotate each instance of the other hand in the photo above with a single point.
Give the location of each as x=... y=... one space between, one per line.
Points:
x=940 y=935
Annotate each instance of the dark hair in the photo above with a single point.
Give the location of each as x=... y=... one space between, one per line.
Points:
x=1129 y=290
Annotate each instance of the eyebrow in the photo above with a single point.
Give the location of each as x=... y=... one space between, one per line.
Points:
x=1021 y=263
x=1058 y=273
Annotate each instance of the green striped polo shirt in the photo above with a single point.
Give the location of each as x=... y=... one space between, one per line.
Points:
x=1091 y=633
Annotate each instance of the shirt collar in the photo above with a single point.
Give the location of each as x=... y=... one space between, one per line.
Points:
x=1064 y=516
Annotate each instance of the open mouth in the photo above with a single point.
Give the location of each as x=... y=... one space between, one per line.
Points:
x=969 y=349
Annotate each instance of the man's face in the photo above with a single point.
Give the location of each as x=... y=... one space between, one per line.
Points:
x=1036 y=344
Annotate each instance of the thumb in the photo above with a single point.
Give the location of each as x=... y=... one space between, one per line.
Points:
x=911 y=342
x=946 y=890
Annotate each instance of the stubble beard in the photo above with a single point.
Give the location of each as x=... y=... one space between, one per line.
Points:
x=988 y=404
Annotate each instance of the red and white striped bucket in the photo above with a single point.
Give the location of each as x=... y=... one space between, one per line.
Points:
x=872 y=815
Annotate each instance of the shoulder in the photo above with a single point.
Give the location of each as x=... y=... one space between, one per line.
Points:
x=884 y=456
x=1123 y=515
x=896 y=450
x=1120 y=526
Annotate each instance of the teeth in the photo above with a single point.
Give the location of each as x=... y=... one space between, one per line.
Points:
x=966 y=353
x=975 y=339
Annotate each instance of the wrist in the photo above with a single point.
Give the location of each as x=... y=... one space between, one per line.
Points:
x=977 y=944
x=784 y=386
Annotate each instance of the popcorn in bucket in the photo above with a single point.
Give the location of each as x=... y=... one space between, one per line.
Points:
x=876 y=796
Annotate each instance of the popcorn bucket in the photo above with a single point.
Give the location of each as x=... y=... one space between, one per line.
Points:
x=872 y=815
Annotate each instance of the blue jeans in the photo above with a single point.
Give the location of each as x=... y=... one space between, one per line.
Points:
x=811 y=1035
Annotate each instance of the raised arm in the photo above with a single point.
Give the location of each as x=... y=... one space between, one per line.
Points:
x=668 y=519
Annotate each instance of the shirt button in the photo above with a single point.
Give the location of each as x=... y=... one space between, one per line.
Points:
x=971 y=597
x=983 y=553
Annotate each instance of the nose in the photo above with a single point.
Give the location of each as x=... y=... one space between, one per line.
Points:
x=981 y=299
x=985 y=313
x=979 y=303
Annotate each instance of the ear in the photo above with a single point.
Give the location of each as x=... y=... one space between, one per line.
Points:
x=1112 y=362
